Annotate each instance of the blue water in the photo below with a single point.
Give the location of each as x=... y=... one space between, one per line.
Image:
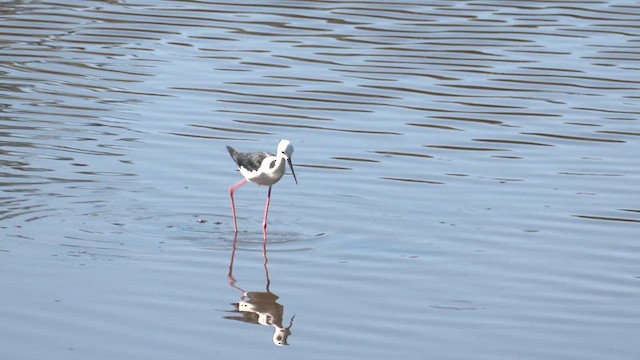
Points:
x=467 y=180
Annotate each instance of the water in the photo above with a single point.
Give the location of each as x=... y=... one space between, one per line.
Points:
x=468 y=179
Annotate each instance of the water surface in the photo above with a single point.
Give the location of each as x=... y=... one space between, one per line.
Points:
x=468 y=179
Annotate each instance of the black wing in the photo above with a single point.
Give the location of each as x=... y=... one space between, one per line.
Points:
x=249 y=161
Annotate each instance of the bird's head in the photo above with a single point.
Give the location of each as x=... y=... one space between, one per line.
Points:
x=285 y=148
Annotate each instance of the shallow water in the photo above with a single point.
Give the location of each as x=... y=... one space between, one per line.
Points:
x=468 y=179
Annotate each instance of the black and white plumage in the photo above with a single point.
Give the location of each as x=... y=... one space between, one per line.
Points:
x=249 y=161
x=261 y=168
x=264 y=168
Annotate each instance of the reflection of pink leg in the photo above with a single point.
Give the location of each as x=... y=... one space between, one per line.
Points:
x=264 y=255
x=233 y=188
x=232 y=280
x=266 y=212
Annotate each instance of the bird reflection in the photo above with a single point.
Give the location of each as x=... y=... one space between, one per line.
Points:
x=260 y=307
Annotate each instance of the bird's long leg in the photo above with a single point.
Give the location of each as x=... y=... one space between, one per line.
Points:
x=233 y=188
x=266 y=212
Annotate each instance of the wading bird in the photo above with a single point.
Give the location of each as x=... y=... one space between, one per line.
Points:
x=261 y=168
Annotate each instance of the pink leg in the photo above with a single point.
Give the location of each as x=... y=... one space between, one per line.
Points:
x=266 y=212
x=233 y=188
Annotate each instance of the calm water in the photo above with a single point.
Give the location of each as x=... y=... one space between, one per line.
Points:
x=468 y=179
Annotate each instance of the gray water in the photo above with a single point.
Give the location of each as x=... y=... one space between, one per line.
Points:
x=468 y=179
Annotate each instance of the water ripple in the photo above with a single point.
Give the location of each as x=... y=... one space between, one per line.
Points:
x=487 y=144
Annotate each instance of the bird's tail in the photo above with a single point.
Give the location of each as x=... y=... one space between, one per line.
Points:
x=232 y=152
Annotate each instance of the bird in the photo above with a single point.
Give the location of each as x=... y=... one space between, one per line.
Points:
x=261 y=168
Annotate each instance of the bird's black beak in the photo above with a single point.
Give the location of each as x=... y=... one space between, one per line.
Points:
x=293 y=172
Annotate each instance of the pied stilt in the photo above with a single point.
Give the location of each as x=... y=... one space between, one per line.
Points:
x=261 y=168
